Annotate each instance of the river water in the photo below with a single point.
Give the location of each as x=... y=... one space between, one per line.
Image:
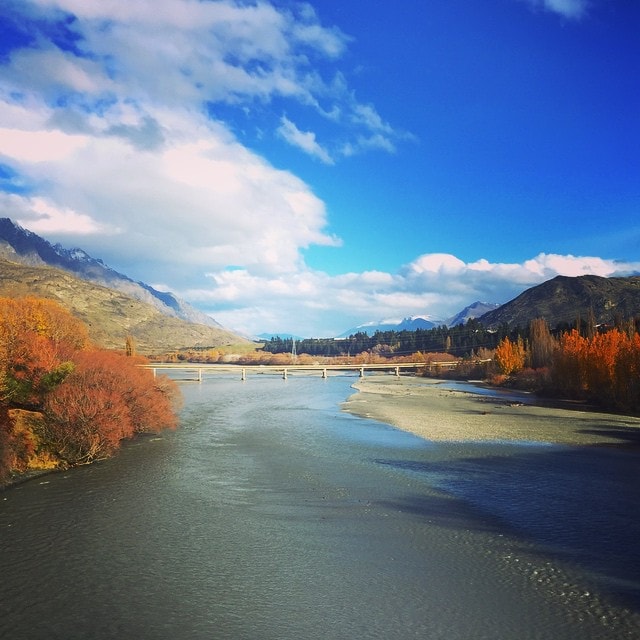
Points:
x=270 y=514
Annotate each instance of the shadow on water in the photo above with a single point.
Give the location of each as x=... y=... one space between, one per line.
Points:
x=576 y=504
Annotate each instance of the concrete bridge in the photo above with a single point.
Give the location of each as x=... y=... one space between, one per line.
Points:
x=323 y=370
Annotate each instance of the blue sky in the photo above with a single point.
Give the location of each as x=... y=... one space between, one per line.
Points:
x=307 y=167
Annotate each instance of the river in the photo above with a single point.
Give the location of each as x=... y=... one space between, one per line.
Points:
x=270 y=514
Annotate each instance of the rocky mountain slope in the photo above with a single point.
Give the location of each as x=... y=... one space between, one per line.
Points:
x=474 y=310
x=406 y=324
x=23 y=246
x=563 y=299
x=110 y=315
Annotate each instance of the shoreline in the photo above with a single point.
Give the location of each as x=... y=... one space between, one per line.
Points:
x=426 y=408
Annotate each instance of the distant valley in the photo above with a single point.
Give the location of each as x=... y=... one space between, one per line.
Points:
x=114 y=306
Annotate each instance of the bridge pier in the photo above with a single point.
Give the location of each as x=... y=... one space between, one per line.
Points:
x=202 y=369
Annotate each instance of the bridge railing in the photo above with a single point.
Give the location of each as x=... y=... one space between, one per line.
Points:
x=285 y=370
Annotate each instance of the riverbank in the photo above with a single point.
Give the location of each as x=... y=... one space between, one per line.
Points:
x=427 y=408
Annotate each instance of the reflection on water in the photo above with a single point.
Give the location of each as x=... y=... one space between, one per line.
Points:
x=271 y=514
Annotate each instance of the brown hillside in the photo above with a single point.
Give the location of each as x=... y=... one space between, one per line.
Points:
x=110 y=315
x=565 y=299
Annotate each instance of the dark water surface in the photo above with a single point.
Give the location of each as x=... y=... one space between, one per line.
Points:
x=272 y=515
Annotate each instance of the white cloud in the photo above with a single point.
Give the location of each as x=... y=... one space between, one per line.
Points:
x=203 y=200
x=572 y=9
x=115 y=143
x=38 y=146
x=305 y=140
x=312 y=303
x=52 y=219
x=366 y=114
x=112 y=129
x=50 y=70
x=437 y=263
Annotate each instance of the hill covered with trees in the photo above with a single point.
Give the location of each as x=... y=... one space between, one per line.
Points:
x=563 y=301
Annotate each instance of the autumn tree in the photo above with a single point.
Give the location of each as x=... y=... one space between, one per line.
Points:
x=570 y=364
x=627 y=374
x=37 y=340
x=541 y=344
x=510 y=356
x=106 y=399
x=130 y=346
x=604 y=369
x=61 y=400
x=602 y=355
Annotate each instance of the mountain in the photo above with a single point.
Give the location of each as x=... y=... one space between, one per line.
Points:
x=406 y=324
x=563 y=299
x=474 y=310
x=284 y=336
x=421 y=322
x=110 y=315
x=23 y=246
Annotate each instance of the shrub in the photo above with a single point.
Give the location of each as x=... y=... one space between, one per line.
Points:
x=106 y=399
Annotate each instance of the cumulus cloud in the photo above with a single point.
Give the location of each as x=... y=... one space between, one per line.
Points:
x=106 y=123
x=37 y=146
x=108 y=133
x=113 y=139
x=202 y=200
x=438 y=285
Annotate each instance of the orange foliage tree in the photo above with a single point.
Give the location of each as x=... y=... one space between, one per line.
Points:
x=510 y=356
x=37 y=340
x=627 y=374
x=569 y=370
x=62 y=401
x=600 y=370
x=604 y=368
x=106 y=399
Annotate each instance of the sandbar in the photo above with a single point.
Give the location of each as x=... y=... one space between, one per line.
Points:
x=430 y=410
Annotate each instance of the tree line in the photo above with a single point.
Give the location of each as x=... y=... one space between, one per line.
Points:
x=64 y=401
x=601 y=365
x=582 y=361
x=461 y=341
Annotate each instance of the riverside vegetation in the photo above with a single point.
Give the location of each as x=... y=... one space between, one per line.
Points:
x=601 y=367
x=598 y=364
x=65 y=402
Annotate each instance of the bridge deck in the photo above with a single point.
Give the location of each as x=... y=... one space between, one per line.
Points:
x=285 y=369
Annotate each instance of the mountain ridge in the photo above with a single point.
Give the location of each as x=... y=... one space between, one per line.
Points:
x=21 y=245
x=564 y=299
x=412 y=323
x=110 y=315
